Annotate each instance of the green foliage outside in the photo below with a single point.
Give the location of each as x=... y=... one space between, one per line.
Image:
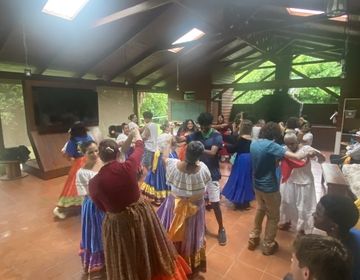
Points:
x=304 y=95
x=11 y=101
x=157 y=103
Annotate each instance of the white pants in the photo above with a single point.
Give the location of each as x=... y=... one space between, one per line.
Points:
x=213 y=191
x=298 y=203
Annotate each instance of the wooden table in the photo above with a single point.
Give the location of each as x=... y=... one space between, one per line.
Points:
x=334 y=179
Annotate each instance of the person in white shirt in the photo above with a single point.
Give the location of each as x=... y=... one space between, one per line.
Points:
x=149 y=135
x=133 y=122
x=256 y=129
x=305 y=136
x=123 y=135
x=298 y=197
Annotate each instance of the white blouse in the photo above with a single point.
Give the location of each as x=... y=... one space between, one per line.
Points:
x=185 y=184
x=83 y=177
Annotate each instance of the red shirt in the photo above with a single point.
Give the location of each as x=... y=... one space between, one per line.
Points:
x=115 y=186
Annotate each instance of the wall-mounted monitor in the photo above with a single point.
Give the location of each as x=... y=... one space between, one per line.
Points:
x=56 y=109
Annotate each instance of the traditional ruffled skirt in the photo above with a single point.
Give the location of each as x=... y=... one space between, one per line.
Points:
x=91 y=246
x=69 y=196
x=137 y=247
x=184 y=219
x=154 y=185
x=239 y=187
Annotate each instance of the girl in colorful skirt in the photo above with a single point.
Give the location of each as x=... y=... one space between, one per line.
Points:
x=239 y=189
x=69 y=197
x=188 y=127
x=91 y=247
x=183 y=211
x=136 y=245
x=154 y=185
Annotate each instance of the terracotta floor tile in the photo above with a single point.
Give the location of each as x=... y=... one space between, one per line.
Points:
x=241 y=271
x=33 y=245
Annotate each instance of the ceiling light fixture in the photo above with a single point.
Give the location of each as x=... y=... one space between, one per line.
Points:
x=192 y=35
x=66 y=9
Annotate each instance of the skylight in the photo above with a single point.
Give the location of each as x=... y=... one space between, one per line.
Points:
x=175 y=50
x=192 y=35
x=67 y=9
x=306 y=13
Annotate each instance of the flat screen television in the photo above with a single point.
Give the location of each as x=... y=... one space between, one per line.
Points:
x=56 y=109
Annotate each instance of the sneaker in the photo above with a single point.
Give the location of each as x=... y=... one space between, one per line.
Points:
x=58 y=214
x=270 y=250
x=222 y=237
x=253 y=243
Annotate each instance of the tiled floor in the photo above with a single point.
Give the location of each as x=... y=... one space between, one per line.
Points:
x=35 y=246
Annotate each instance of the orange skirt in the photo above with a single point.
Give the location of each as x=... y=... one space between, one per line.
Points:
x=136 y=246
x=69 y=196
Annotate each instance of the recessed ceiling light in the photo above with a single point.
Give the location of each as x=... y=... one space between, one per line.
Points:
x=67 y=9
x=306 y=13
x=192 y=35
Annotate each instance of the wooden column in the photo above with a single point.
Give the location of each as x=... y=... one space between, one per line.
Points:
x=136 y=102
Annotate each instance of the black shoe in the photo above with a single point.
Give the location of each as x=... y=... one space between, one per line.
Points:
x=222 y=237
x=270 y=250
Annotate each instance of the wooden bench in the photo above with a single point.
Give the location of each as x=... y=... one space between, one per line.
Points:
x=13 y=170
x=335 y=180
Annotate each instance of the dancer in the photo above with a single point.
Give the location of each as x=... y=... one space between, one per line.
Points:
x=154 y=185
x=149 y=135
x=239 y=188
x=298 y=196
x=188 y=127
x=133 y=122
x=91 y=247
x=183 y=211
x=265 y=153
x=212 y=141
x=69 y=197
x=135 y=242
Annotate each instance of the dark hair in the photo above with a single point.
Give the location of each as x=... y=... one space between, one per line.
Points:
x=270 y=131
x=324 y=256
x=164 y=125
x=84 y=146
x=341 y=210
x=292 y=123
x=108 y=150
x=147 y=115
x=131 y=117
x=245 y=127
x=183 y=126
x=193 y=151
x=205 y=119
x=123 y=125
x=78 y=129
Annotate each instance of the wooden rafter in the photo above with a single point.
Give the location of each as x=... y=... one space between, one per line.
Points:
x=327 y=90
x=246 y=91
x=136 y=9
x=297 y=83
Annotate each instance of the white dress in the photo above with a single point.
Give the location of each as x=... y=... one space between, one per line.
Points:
x=298 y=197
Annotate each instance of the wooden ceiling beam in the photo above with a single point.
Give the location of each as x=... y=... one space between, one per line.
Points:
x=149 y=72
x=240 y=58
x=232 y=51
x=213 y=49
x=20 y=76
x=133 y=10
x=297 y=83
x=107 y=52
x=328 y=91
x=246 y=91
